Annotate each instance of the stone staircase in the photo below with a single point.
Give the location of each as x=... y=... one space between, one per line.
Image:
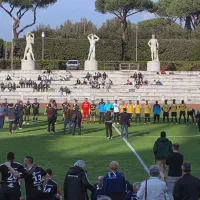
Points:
x=176 y=85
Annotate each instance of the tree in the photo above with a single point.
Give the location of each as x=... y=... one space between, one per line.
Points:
x=122 y=9
x=17 y=9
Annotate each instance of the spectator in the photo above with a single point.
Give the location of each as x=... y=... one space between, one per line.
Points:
x=104 y=75
x=158 y=82
x=108 y=124
x=107 y=87
x=163 y=72
x=98 y=191
x=8 y=78
x=128 y=82
x=124 y=122
x=51 y=118
x=84 y=82
x=103 y=82
x=114 y=184
x=188 y=186
x=88 y=75
x=175 y=161
x=76 y=120
x=76 y=183
x=134 y=76
x=39 y=78
x=154 y=82
x=78 y=82
x=140 y=77
x=132 y=195
x=67 y=115
x=156 y=112
x=162 y=148
x=153 y=188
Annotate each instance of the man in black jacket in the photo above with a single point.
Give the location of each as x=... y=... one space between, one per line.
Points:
x=76 y=120
x=108 y=124
x=124 y=122
x=76 y=183
x=187 y=187
x=12 y=118
x=175 y=161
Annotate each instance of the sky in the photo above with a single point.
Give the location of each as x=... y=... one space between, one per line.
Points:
x=61 y=11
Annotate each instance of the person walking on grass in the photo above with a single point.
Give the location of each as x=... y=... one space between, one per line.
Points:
x=124 y=122
x=162 y=148
x=108 y=124
x=67 y=115
x=12 y=118
x=76 y=120
x=51 y=117
x=175 y=162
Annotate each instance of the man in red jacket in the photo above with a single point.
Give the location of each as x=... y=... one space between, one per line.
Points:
x=85 y=107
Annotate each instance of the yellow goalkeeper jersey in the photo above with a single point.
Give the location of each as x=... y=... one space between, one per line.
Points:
x=121 y=108
x=147 y=109
x=182 y=107
x=166 y=108
x=130 y=108
x=137 y=109
x=173 y=108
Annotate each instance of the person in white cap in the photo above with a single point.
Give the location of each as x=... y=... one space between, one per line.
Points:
x=76 y=183
x=154 y=187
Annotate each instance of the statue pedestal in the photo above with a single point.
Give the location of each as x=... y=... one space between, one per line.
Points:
x=153 y=66
x=28 y=65
x=91 y=65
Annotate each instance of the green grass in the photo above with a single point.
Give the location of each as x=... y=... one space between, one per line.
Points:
x=59 y=152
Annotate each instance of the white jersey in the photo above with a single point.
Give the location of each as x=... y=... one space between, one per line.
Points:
x=116 y=107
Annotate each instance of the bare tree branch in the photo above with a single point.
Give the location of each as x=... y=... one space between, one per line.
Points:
x=133 y=13
x=117 y=15
x=12 y=8
x=29 y=25
x=22 y=14
x=9 y=13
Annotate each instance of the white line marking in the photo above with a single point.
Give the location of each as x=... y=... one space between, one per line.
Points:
x=133 y=150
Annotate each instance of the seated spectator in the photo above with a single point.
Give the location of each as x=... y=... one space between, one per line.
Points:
x=8 y=78
x=98 y=192
x=110 y=82
x=154 y=82
x=153 y=188
x=140 y=77
x=163 y=72
x=21 y=83
x=114 y=184
x=39 y=78
x=88 y=75
x=135 y=76
x=188 y=186
x=14 y=87
x=61 y=90
x=9 y=86
x=67 y=90
x=158 y=82
x=99 y=75
x=104 y=75
x=78 y=82
x=103 y=82
x=84 y=82
x=128 y=82
x=70 y=75
x=132 y=195
x=49 y=71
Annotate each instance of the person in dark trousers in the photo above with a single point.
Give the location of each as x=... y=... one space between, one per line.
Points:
x=108 y=124
x=76 y=183
x=67 y=115
x=182 y=111
x=197 y=116
x=27 y=108
x=3 y=111
x=76 y=120
x=98 y=189
x=20 y=113
x=166 y=109
x=188 y=186
x=13 y=192
x=124 y=122
x=175 y=161
x=156 y=112
x=190 y=113
x=51 y=116
x=101 y=111
x=173 y=109
x=50 y=187
x=36 y=107
x=162 y=148
x=114 y=184
x=12 y=118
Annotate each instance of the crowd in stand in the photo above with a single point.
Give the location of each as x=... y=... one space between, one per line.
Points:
x=174 y=183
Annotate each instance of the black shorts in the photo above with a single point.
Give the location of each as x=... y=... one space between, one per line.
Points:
x=9 y=197
x=147 y=115
x=165 y=114
x=182 y=113
x=34 y=194
x=174 y=114
x=35 y=112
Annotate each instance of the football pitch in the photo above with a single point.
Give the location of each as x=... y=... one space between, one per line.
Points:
x=59 y=151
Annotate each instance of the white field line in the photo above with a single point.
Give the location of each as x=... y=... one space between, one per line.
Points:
x=133 y=150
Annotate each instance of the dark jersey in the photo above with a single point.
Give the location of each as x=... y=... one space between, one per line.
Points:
x=11 y=184
x=36 y=107
x=191 y=112
x=33 y=182
x=65 y=105
x=27 y=107
x=93 y=109
x=50 y=190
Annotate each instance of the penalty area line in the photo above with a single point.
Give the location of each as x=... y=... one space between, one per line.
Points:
x=134 y=151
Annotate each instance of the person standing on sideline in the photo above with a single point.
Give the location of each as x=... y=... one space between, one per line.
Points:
x=122 y=106
x=190 y=113
x=85 y=107
x=137 y=112
x=64 y=105
x=124 y=122
x=166 y=109
x=182 y=111
x=51 y=116
x=147 y=111
x=175 y=161
x=67 y=115
x=12 y=118
x=75 y=104
x=156 y=112
x=116 y=112
x=188 y=186
x=3 y=111
x=36 y=107
x=76 y=183
x=162 y=148
x=108 y=124
x=93 y=113
x=114 y=184
x=130 y=109
x=76 y=120
x=153 y=188
x=173 y=109
x=101 y=111
x=108 y=106
x=20 y=114
x=27 y=109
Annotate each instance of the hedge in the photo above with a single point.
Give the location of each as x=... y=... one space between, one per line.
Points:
x=60 y=64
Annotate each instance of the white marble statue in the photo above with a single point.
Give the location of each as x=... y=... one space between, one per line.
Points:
x=154 y=45
x=93 y=39
x=28 y=54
